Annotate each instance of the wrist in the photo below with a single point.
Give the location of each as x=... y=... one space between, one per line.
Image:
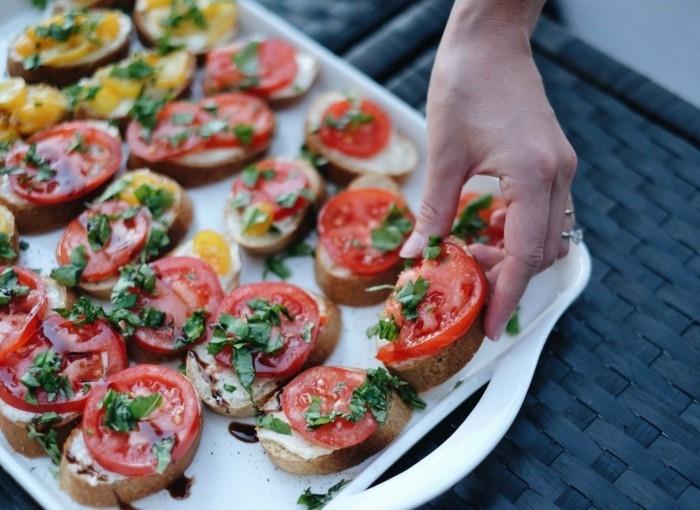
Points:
x=516 y=13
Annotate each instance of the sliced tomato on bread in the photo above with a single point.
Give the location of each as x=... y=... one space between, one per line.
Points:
x=23 y=302
x=480 y=219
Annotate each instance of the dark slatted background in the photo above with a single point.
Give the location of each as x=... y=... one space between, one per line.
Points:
x=612 y=419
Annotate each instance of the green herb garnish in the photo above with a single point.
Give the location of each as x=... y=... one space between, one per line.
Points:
x=394 y=227
x=69 y=275
x=314 y=501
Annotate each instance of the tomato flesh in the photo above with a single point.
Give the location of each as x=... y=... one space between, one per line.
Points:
x=334 y=387
x=20 y=317
x=88 y=354
x=130 y=453
x=286 y=179
x=455 y=296
x=183 y=286
x=359 y=139
x=127 y=238
x=237 y=110
x=290 y=358
x=345 y=226
x=275 y=70
x=65 y=173
x=494 y=217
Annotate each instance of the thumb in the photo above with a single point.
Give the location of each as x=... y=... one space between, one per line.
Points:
x=437 y=209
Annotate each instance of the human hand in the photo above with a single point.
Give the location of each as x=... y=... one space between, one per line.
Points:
x=488 y=115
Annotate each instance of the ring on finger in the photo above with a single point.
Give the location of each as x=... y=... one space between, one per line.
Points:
x=574 y=235
x=569 y=212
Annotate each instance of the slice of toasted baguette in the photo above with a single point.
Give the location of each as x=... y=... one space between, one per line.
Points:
x=397 y=160
x=212 y=380
x=291 y=229
x=425 y=372
x=178 y=218
x=340 y=283
x=62 y=5
x=88 y=483
x=297 y=455
x=150 y=31
x=63 y=75
x=9 y=228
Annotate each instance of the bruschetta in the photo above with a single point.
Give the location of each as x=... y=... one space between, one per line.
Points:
x=480 y=219
x=9 y=237
x=328 y=419
x=355 y=137
x=272 y=204
x=196 y=25
x=26 y=109
x=114 y=91
x=47 y=178
x=220 y=253
x=432 y=321
x=69 y=45
x=140 y=430
x=137 y=218
x=263 y=334
x=361 y=231
x=196 y=143
x=269 y=68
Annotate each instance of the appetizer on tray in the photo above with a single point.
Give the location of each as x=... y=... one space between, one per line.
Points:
x=47 y=178
x=355 y=136
x=137 y=218
x=196 y=143
x=432 y=322
x=26 y=109
x=262 y=335
x=270 y=68
x=9 y=237
x=140 y=430
x=331 y=418
x=69 y=45
x=272 y=204
x=361 y=231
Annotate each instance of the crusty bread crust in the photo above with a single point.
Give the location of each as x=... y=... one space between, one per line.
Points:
x=17 y=434
x=62 y=76
x=398 y=417
x=426 y=372
x=124 y=490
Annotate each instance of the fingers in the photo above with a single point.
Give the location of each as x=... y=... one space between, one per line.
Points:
x=559 y=202
x=526 y=226
x=487 y=256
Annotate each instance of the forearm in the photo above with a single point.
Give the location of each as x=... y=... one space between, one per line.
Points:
x=521 y=14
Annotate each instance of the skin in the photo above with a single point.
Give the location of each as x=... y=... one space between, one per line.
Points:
x=488 y=115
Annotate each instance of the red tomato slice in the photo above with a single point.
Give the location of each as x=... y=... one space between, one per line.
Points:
x=183 y=286
x=178 y=416
x=345 y=227
x=362 y=140
x=456 y=294
x=276 y=68
x=494 y=216
x=286 y=179
x=88 y=354
x=20 y=317
x=236 y=110
x=65 y=173
x=334 y=387
x=175 y=134
x=303 y=309
x=127 y=239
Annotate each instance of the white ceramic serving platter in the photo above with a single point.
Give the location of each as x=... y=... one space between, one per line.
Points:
x=231 y=474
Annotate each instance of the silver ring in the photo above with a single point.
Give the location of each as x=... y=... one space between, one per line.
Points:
x=569 y=212
x=575 y=235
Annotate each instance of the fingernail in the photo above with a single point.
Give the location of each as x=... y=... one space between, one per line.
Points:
x=413 y=247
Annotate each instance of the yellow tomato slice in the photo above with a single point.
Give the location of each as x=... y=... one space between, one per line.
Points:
x=172 y=70
x=74 y=50
x=138 y=178
x=263 y=222
x=211 y=247
x=44 y=106
x=13 y=93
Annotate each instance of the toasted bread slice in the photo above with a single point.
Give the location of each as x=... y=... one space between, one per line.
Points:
x=63 y=5
x=66 y=74
x=172 y=77
x=307 y=71
x=212 y=380
x=338 y=282
x=178 y=217
x=425 y=372
x=295 y=454
x=289 y=230
x=88 y=483
x=8 y=231
x=220 y=17
x=397 y=160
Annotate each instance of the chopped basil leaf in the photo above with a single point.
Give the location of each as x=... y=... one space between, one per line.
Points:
x=44 y=172
x=242 y=199
x=10 y=287
x=385 y=329
x=313 y=501
x=23 y=245
x=82 y=312
x=229 y=387
x=313 y=416
x=162 y=450
x=513 y=324
x=212 y=127
x=7 y=252
x=78 y=144
x=48 y=441
x=122 y=412
x=469 y=224
x=374 y=395
x=183 y=11
x=114 y=189
x=394 y=227
x=252 y=173
x=244 y=133
x=276 y=263
x=69 y=275
x=156 y=242
x=182 y=118
x=32 y=62
x=152 y=318
x=99 y=231
x=158 y=200
x=46 y=418
x=164 y=45
x=432 y=250
x=145 y=110
x=273 y=423
x=248 y=64
x=410 y=296
x=253 y=216
x=45 y=373
x=192 y=329
x=77 y=94
x=136 y=70
x=314 y=158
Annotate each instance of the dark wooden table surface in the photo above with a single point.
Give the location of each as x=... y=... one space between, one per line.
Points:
x=612 y=419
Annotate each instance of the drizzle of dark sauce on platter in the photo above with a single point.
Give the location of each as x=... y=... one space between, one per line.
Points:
x=243 y=432
x=180 y=487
